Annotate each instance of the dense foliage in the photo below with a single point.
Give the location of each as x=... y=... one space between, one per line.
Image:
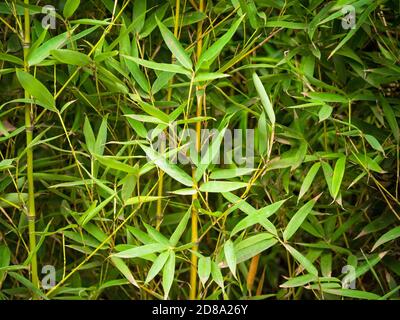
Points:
x=89 y=187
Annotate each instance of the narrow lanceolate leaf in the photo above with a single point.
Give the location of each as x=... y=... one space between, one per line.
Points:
x=209 y=76
x=388 y=236
x=71 y=57
x=308 y=180
x=260 y=216
x=172 y=170
x=168 y=274
x=230 y=256
x=221 y=186
x=39 y=54
x=174 y=45
x=208 y=56
x=111 y=163
x=124 y=269
x=304 y=262
x=94 y=211
x=328 y=173
x=36 y=89
x=351 y=293
x=101 y=138
x=230 y=173
x=156 y=235
x=180 y=229
x=217 y=275
x=204 y=269
x=89 y=136
x=5 y=256
x=299 y=281
x=158 y=264
x=298 y=218
x=250 y=247
x=390 y=118
x=264 y=98
x=70 y=7
x=374 y=143
x=338 y=174
x=173 y=68
x=141 y=251
x=212 y=151
x=141 y=199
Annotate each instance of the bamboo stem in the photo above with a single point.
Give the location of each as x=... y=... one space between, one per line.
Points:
x=29 y=160
x=193 y=267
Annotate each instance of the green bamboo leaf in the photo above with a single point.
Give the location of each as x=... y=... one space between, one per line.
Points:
x=388 y=236
x=230 y=256
x=174 y=46
x=157 y=265
x=209 y=76
x=208 y=56
x=111 y=163
x=325 y=112
x=141 y=251
x=298 y=218
x=374 y=143
x=29 y=285
x=136 y=125
x=172 y=68
x=70 y=7
x=230 y=173
x=328 y=174
x=250 y=247
x=155 y=112
x=11 y=58
x=172 y=170
x=93 y=211
x=217 y=275
x=168 y=274
x=327 y=97
x=391 y=118
x=124 y=269
x=36 y=89
x=139 y=12
x=260 y=216
x=204 y=269
x=180 y=229
x=89 y=136
x=71 y=57
x=221 y=186
x=156 y=235
x=212 y=150
x=101 y=138
x=286 y=25
x=37 y=55
x=338 y=174
x=299 y=281
x=5 y=257
x=304 y=262
x=264 y=98
x=352 y=293
x=308 y=179
x=141 y=199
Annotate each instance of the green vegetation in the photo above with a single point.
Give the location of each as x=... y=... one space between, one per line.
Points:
x=85 y=189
